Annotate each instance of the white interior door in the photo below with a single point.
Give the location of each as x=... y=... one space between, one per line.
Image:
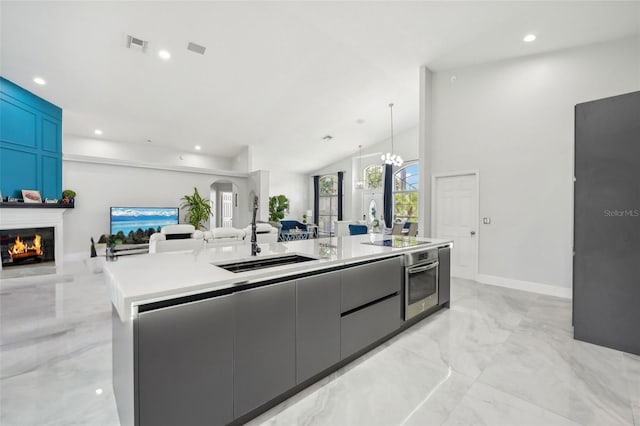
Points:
x=456 y=219
x=227 y=209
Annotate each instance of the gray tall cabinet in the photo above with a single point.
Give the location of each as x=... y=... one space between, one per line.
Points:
x=606 y=267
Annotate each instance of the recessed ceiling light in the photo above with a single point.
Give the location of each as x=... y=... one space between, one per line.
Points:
x=198 y=147
x=164 y=54
x=97 y=132
x=529 y=38
x=40 y=81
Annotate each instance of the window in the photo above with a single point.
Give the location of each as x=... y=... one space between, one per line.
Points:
x=373 y=177
x=405 y=193
x=328 y=209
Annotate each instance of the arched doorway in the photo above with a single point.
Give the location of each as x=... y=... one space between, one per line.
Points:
x=224 y=204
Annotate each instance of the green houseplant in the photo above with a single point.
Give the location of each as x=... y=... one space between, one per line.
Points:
x=198 y=209
x=68 y=196
x=278 y=204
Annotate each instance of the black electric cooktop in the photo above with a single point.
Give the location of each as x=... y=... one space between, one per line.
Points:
x=397 y=242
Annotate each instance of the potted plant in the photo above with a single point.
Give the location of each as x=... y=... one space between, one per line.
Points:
x=278 y=204
x=198 y=209
x=68 y=196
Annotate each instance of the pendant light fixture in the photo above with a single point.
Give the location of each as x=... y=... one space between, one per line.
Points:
x=390 y=157
x=360 y=182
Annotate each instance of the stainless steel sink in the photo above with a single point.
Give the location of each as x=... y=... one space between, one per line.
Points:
x=269 y=262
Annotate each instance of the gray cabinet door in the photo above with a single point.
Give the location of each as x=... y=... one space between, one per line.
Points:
x=185 y=364
x=361 y=328
x=606 y=288
x=444 y=275
x=265 y=345
x=317 y=324
x=366 y=283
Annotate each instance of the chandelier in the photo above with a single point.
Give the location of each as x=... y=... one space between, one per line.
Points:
x=390 y=157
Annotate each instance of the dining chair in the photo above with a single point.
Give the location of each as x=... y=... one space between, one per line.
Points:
x=397 y=229
x=413 y=229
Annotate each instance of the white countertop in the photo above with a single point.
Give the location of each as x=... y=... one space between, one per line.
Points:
x=139 y=279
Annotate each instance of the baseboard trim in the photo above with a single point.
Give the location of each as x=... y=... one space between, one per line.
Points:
x=550 y=290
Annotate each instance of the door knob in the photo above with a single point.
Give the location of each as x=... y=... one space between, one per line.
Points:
x=473 y=233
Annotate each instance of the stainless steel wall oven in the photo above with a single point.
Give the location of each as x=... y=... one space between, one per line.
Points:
x=420 y=282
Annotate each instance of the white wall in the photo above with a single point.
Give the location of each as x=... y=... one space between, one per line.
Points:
x=295 y=187
x=424 y=151
x=100 y=186
x=259 y=185
x=405 y=144
x=241 y=210
x=344 y=165
x=243 y=161
x=513 y=121
x=106 y=173
x=142 y=153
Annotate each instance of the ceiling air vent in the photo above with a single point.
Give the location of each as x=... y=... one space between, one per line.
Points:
x=136 y=43
x=196 y=48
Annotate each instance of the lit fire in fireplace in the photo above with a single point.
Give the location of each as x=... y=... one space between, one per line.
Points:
x=21 y=250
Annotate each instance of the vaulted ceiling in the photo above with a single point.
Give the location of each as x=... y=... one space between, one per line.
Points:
x=275 y=75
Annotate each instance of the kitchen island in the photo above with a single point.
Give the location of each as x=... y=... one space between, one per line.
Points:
x=194 y=343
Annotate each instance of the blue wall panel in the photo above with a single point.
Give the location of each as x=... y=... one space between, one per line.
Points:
x=50 y=135
x=50 y=173
x=30 y=143
x=19 y=171
x=18 y=125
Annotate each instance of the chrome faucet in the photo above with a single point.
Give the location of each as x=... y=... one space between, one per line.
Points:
x=254 y=243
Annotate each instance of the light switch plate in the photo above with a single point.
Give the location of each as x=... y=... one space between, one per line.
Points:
x=486 y=220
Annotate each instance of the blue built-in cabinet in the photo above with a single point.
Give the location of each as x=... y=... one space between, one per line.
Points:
x=30 y=143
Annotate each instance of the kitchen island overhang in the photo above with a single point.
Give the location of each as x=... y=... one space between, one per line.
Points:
x=353 y=290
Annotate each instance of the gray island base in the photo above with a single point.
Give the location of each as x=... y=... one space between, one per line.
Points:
x=225 y=352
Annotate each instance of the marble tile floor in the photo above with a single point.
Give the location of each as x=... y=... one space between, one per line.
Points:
x=497 y=357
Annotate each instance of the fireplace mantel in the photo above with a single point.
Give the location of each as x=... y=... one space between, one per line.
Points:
x=21 y=217
x=12 y=205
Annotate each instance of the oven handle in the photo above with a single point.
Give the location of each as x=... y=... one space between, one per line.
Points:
x=423 y=268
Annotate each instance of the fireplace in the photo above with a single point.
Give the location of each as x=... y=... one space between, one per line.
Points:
x=27 y=246
x=26 y=216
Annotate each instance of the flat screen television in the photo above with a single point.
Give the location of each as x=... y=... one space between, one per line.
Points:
x=142 y=220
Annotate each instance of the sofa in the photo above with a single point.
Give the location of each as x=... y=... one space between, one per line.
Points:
x=265 y=233
x=289 y=226
x=224 y=236
x=176 y=238
x=185 y=237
